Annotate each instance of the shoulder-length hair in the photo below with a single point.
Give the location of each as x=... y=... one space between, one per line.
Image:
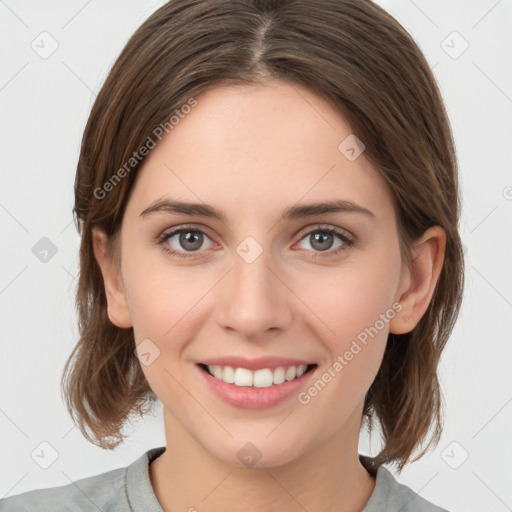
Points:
x=357 y=57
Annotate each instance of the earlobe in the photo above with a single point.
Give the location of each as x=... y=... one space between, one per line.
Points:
x=420 y=280
x=117 y=304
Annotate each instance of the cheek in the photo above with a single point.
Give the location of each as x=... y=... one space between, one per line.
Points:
x=159 y=295
x=337 y=393
x=168 y=307
x=164 y=307
x=348 y=301
x=353 y=309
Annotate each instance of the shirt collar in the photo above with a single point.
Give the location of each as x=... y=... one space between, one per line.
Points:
x=140 y=493
x=142 y=497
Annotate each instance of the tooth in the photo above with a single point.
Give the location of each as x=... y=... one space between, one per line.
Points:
x=217 y=372
x=243 y=377
x=301 y=369
x=262 y=378
x=278 y=375
x=229 y=375
x=291 y=373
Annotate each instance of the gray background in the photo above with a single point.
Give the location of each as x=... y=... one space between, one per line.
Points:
x=45 y=101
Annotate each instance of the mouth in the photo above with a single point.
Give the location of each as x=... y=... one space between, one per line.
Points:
x=261 y=378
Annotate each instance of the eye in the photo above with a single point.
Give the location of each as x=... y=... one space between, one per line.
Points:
x=186 y=239
x=322 y=240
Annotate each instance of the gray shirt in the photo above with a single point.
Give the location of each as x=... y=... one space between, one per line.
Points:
x=129 y=489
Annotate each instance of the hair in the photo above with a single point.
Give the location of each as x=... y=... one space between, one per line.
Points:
x=366 y=65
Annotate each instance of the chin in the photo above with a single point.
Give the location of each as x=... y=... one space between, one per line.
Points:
x=259 y=453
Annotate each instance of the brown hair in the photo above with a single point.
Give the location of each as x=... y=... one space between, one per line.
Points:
x=360 y=59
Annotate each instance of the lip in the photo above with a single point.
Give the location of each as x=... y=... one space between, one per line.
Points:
x=255 y=364
x=248 y=397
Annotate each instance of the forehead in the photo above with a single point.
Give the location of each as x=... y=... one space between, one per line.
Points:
x=257 y=146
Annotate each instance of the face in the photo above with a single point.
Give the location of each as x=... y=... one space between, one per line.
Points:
x=315 y=291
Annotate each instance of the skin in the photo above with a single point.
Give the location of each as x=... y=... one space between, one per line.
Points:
x=241 y=151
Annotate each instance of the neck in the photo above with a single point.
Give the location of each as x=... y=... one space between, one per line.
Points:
x=328 y=477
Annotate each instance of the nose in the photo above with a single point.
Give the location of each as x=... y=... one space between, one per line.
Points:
x=254 y=299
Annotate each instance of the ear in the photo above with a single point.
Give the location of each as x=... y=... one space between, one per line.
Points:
x=418 y=283
x=117 y=304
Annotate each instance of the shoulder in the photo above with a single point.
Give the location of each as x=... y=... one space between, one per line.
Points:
x=390 y=495
x=106 y=492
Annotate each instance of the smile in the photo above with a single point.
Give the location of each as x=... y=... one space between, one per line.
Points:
x=268 y=381
x=262 y=378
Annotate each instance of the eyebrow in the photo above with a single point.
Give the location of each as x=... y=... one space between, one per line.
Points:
x=291 y=213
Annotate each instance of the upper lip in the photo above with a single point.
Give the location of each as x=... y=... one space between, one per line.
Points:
x=254 y=364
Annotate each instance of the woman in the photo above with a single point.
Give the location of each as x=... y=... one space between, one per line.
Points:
x=268 y=202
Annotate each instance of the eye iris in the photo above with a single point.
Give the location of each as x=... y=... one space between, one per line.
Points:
x=188 y=236
x=321 y=237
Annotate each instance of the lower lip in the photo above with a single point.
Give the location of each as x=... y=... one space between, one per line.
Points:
x=249 y=397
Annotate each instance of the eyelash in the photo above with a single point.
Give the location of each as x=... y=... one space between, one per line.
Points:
x=347 y=240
